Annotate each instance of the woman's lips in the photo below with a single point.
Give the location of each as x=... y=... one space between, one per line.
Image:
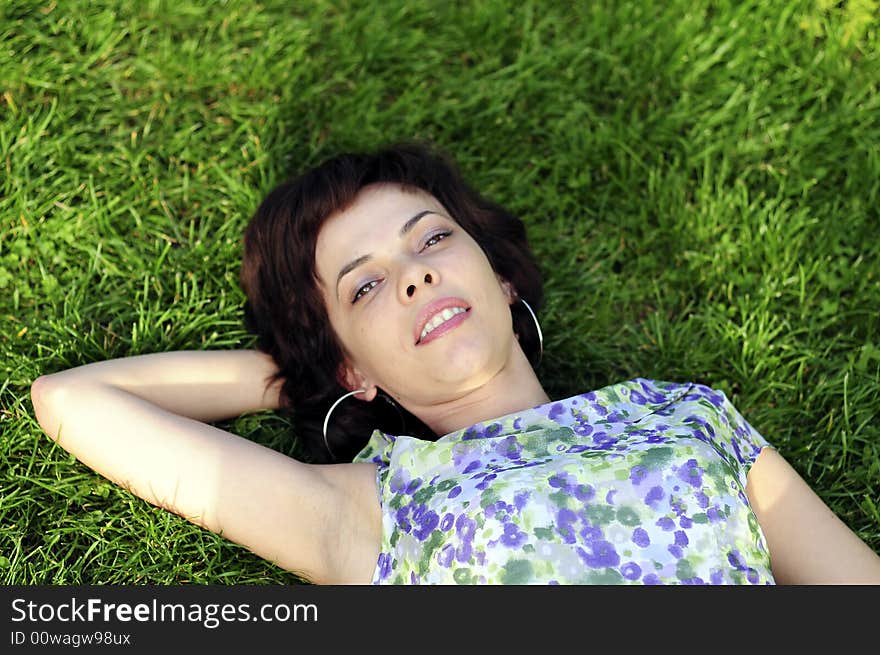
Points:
x=445 y=327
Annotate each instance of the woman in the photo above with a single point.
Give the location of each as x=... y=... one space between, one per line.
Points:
x=392 y=305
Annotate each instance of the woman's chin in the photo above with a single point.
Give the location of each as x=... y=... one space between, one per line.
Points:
x=467 y=365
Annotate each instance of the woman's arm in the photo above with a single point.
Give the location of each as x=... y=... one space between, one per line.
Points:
x=133 y=421
x=209 y=385
x=808 y=543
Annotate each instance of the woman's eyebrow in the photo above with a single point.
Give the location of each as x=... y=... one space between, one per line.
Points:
x=354 y=263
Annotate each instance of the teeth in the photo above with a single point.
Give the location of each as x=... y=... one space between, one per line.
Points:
x=439 y=318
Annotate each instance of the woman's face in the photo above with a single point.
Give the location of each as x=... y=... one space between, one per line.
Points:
x=388 y=266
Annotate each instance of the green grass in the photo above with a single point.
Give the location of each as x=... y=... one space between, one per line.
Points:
x=701 y=186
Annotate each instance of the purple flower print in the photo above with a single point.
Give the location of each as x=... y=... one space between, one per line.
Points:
x=493 y=429
x=685 y=523
x=696 y=580
x=607 y=443
x=520 y=498
x=651 y=395
x=413 y=486
x=717 y=577
x=704 y=425
x=398 y=481
x=655 y=495
x=509 y=448
x=640 y=538
x=454 y=492
x=428 y=521
x=698 y=434
x=637 y=398
x=714 y=397
x=477 y=431
x=681 y=538
x=499 y=511
x=556 y=410
x=583 y=429
x=473 y=466
x=699 y=420
x=713 y=515
x=638 y=473
x=735 y=561
x=463 y=552
x=513 y=537
x=651 y=578
x=600 y=437
x=599 y=554
x=384 y=565
x=691 y=473
x=561 y=481
x=676 y=551
x=566 y=515
x=465 y=528
x=444 y=557
x=402 y=519
x=631 y=571
x=590 y=533
x=565 y=520
x=736 y=450
x=665 y=523
x=702 y=499
x=752 y=576
x=584 y=492
x=486 y=480
x=447 y=521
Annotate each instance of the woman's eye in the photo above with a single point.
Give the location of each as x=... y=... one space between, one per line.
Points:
x=364 y=290
x=436 y=238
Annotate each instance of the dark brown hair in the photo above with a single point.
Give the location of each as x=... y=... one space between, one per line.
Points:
x=285 y=309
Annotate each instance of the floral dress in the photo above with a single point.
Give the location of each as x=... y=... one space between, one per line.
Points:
x=641 y=482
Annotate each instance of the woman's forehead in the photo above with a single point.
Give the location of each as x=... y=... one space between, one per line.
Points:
x=376 y=216
x=377 y=210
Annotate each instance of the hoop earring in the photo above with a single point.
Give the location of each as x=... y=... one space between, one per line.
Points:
x=330 y=411
x=537 y=325
x=351 y=393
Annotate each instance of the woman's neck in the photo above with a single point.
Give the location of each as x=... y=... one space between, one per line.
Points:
x=513 y=389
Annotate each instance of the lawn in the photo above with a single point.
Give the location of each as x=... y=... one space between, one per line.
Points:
x=700 y=182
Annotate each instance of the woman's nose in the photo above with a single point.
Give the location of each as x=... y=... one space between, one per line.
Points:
x=427 y=279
